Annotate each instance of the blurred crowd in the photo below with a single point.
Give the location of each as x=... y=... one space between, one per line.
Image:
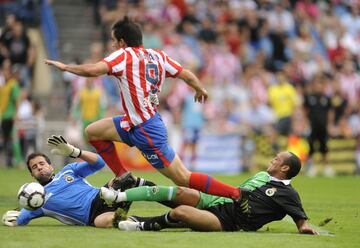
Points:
x=271 y=68
x=20 y=114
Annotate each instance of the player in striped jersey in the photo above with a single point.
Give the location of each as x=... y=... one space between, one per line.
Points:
x=141 y=73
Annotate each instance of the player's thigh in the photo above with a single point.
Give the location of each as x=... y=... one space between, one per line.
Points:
x=187 y=196
x=104 y=220
x=177 y=172
x=103 y=129
x=200 y=220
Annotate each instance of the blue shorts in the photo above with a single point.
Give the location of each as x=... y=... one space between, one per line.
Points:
x=150 y=137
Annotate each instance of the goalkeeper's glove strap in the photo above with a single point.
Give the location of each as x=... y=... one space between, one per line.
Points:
x=71 y=156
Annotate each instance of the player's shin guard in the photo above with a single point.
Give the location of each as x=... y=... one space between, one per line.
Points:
x=106 y=149
x=210 y=185
x=154 y=193
x=170 y=204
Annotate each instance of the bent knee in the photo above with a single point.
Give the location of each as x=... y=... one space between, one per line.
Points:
x=180 y=191
x=90 y=132
x=104 y=220
x=180 y=213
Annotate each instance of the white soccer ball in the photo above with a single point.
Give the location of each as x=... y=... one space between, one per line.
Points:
x=31 y=196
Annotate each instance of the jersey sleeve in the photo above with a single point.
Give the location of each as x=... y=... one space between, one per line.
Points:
x=291 y=204
x=85 y=169
x=27 y=215
x=116 y=62
x=172 y=67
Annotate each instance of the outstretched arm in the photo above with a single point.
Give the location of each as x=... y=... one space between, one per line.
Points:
x=201 y=94
x=14 y=218
x=86 y=70
x=304 y=228
x=89 y=157
x=59 y=146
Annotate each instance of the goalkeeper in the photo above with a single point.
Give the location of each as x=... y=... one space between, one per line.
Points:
x=268 y=196
x=69 y=197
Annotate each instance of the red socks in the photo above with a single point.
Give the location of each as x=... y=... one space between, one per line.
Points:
x=106 y=149
x=210 y=185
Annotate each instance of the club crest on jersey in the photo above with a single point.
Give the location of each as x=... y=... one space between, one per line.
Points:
x=270 y=191
x=69 y=179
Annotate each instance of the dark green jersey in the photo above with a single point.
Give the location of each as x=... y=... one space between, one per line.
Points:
x=271 y=199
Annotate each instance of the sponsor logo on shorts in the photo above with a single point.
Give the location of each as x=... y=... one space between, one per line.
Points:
x=270 y=191
x=150 y=156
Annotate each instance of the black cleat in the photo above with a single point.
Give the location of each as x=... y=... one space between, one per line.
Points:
x=124 y=182
x=135 y=218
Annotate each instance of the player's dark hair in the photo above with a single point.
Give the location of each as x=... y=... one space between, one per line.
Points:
x=34 y=155
x=294 y=164
x=129 y=31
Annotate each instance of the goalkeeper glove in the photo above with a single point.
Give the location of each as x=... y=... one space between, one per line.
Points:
x=10 y=217
x=59 y=146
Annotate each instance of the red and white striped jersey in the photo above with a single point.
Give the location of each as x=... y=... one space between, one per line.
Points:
x=141 y=73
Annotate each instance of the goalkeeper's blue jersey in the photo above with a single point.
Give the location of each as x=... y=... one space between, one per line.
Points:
x=68 y=196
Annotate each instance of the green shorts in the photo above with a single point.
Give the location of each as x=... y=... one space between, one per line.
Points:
x=207 y=201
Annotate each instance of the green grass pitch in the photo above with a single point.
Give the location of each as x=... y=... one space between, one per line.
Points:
x=337 y=199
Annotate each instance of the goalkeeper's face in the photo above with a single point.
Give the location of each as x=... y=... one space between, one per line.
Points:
x=41 y=170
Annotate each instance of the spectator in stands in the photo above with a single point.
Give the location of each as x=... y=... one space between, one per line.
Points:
x=151 y=37
x=218 y=38
x=90 y=105
x=9 y=102
x=340 y=127
x=350 y=83
x=192 y=123
x=21 y=52
x=320 y=114
x=283 y=99
x=206 y=32
x=26 y=125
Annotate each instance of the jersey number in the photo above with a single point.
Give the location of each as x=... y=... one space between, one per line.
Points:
x=152 y=73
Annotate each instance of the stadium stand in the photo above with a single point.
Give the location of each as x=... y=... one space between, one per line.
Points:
x=239 y=49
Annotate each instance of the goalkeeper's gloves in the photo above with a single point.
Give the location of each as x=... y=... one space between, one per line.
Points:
x=10 y=217
x=59 y=146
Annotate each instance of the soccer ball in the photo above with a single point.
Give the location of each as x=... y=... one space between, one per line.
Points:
x=31 y=196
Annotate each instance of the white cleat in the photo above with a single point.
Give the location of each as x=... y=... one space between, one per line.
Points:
x=108 y=195
x=130 y=226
